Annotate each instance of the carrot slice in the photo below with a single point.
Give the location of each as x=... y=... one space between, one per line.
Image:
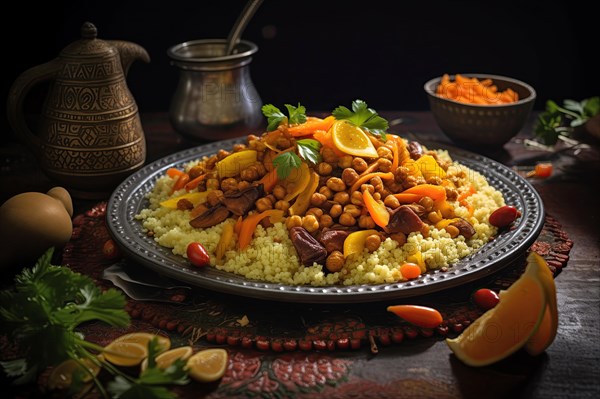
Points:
x=174 y=172
x=249 y=225
x=310 y=126
x=377 y=211
x=421 y=316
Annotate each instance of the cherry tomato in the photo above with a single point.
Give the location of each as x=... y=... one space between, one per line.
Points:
x=543 y=169
x=197 y=254
x=504 y=216
x=485 y=298
x=110 y=250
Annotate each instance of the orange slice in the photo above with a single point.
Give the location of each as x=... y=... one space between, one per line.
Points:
x=166 y=359
x=62 y=375
x=208 y=365
x=143 y=338
x=126 y=354
x=352 y=140
x=506 y=328
x=546 y=333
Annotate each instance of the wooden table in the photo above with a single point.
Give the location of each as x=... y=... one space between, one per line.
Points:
x=570 y=368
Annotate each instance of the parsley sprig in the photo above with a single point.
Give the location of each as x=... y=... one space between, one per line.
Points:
x=41 y=314
x=363 y=117
x=557 y=122
x=308 y=149
x=275 y=117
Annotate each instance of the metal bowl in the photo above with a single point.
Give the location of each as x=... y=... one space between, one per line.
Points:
x=482 y=126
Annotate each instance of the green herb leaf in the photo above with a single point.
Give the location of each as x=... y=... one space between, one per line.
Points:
x=122 y=388
x=285 y=162
x=558 y=121
x=309 y=150
x=274 y=116
x=297 y=114
x=364 y=117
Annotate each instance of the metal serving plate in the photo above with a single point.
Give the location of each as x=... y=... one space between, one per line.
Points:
x=130 y=198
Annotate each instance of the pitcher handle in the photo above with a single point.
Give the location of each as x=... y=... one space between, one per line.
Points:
x=16 y=97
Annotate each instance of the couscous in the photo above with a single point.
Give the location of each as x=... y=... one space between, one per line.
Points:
x=348 y=205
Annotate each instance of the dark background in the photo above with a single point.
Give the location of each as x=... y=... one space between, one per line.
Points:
x=327 y=53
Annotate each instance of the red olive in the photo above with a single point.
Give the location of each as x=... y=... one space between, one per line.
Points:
x=504 y=216
x=485 y=298
x=197 y=254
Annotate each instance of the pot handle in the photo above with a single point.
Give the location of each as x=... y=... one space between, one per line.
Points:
x=16 y=97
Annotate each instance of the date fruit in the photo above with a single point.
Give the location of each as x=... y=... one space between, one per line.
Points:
x=504 y=216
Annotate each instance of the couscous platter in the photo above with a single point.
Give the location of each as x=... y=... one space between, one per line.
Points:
x=133 y=197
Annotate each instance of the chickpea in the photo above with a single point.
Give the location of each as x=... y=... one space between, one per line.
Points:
x=335 y=211
x=409 y=182
x=210 y=162
x=260 y=168
x=282 y=205
x=279 y=191
x=341 y=198
x=369 y=187
x=229 y=184
x=283 y=142
x=239 y=147
x=345 y=161
x=214 y=197
x=435 y=180
x=329 y=155
x=310 y=223
x=325 y=220
x=249 y=174
x=385 y=152
x=357 y=199
x=366 y=222
x=377 y=196
x=434 y=217
x=444 y=164
x=336 y=184
x=349 y=176
x=359 y=164
x=324 y=169
x=326 y=191
x=335 y=261
x=399 y=237
x=222 y=154
x=451 y=194
x=373 y=242
x=262 y=204
x=377 y=183
x=427 y=203
x=425 y=231
x=317 y=199
x=391 y=202
x=352 y=210
x=317 y=212
x=185 y=204
x=384 y=165
x=452 y=230
x=347 y=219
x=195 y=171
x=212 y=184
x=293 y=221
x=243 y=185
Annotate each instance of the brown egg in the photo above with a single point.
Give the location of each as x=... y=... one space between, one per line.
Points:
x=32 y=222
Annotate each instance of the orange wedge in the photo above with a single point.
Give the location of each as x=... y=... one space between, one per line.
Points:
x=126 y=354
x=546 y=333
x=506 y=328
x=62 y=375
x=166 y=359
x=352 y=140
x=208 y=365
x=143 y=338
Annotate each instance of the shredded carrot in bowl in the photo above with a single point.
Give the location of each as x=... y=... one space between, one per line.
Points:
x=474 y=91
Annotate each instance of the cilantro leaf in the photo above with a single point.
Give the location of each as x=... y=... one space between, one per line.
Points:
x=297 y=114
x=122 y=388
x=363 y=117
x=309 y=150
x=557 y=121
x=285 y=162
x=274 y=116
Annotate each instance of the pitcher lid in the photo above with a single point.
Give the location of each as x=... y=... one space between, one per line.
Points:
x=89 y=44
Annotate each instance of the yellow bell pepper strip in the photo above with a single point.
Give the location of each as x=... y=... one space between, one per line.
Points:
x=378 y=211
x=403 y=154
x=234 y=163
x=297 y=181
x=249 y=225
x=311 y=125
x=224 y=240
x=302 y=203
x=365 y=178
x=196 y=197
x=396 y=156
x=355 y=242
x=429 y=167
x=417 y=258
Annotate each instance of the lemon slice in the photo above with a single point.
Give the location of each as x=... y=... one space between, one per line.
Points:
x=165 y=359
x=352 y=140
x=208 y=365
x=62 y=375
x=355 y=242
x=143 y=338
x=546 y=333
x=126 y=354
x=506 y=328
